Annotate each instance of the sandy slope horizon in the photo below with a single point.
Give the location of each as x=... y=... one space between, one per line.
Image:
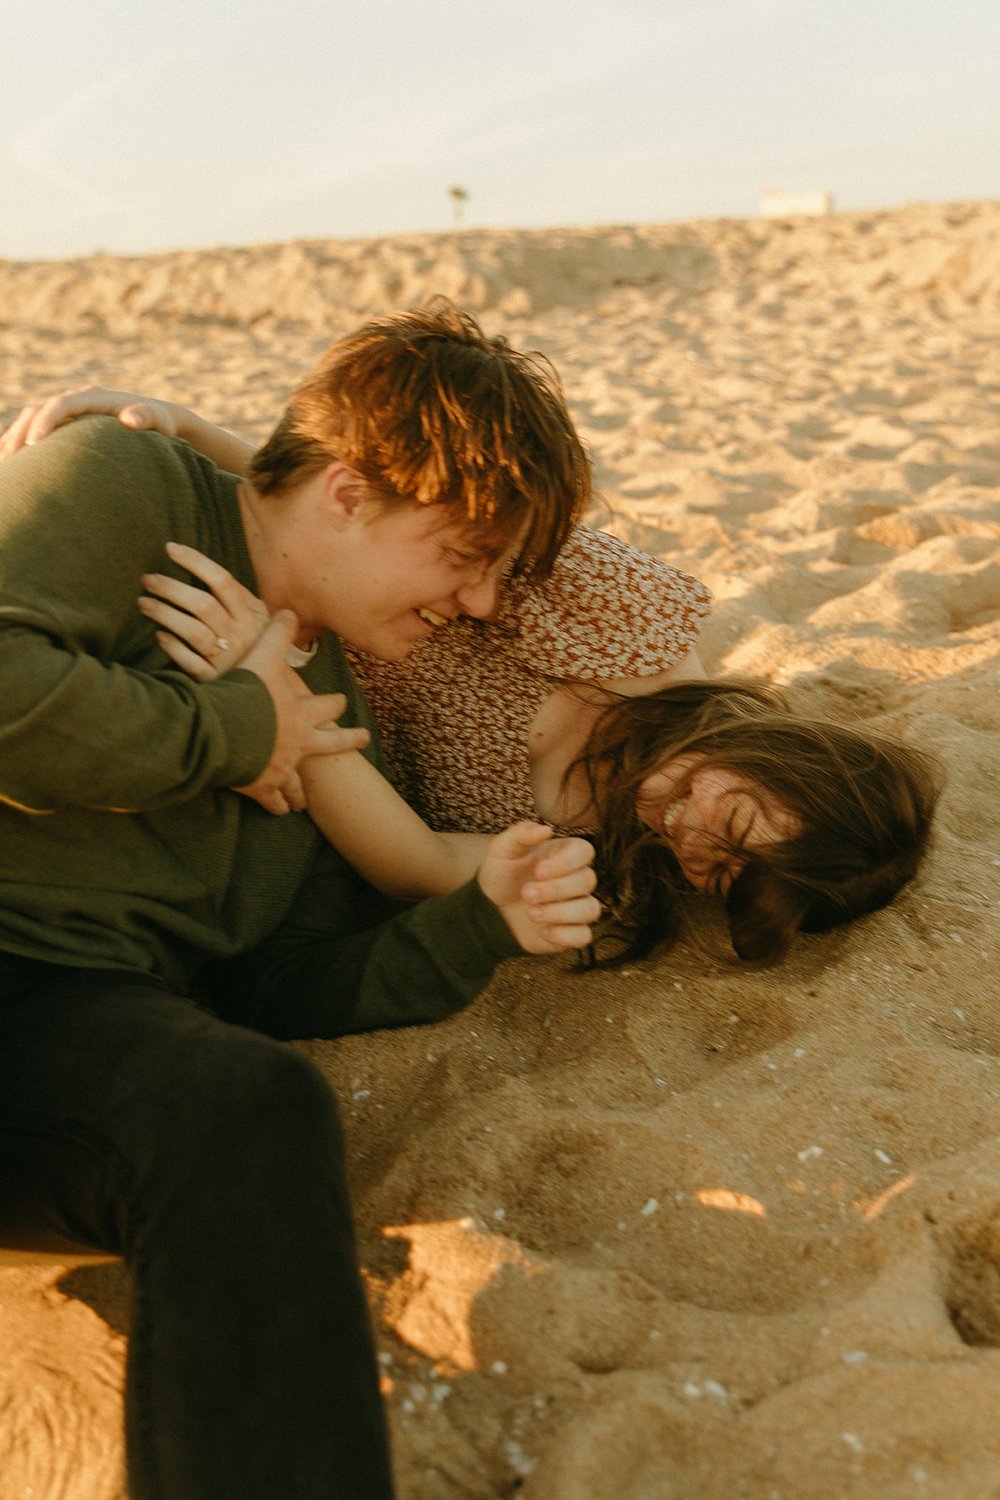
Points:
x=683 y=1232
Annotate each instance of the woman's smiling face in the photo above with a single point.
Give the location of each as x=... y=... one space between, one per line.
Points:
x=701 y=811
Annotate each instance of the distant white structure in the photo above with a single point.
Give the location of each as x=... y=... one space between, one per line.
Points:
x=776 y=204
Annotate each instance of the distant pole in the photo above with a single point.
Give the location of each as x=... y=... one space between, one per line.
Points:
x=459 y=197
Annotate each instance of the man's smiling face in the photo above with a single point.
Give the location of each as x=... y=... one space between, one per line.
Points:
x=398 y=572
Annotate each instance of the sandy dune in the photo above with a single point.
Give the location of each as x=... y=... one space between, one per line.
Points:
x=680 y=1232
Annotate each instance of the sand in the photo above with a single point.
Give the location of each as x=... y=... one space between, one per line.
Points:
x=679 y=1232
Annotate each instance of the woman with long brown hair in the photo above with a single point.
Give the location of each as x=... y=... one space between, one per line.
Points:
x=798 y=823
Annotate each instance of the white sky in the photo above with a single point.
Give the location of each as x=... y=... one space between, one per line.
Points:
x=133 y=126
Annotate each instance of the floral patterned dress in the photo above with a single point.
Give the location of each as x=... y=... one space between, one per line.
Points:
x=454 y=715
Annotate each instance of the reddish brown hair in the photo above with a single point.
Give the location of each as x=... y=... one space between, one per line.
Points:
x=426 y=408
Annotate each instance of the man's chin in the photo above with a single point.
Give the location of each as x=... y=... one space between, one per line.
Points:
x=383 y=649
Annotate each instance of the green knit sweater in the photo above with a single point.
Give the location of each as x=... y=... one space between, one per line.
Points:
x=121 y=843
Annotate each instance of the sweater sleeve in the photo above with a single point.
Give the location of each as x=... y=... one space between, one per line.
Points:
x=346 y=960
x=92 y=714
x=607 y=610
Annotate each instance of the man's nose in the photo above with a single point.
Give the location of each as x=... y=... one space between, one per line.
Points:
x=479 y=596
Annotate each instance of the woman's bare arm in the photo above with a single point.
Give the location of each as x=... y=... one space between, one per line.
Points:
x=349 y=800
x=376 y=831
x=141 y=413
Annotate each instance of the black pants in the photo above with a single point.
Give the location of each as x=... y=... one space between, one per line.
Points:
x=210 y=1157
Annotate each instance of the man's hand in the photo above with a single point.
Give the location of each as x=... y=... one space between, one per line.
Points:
x=542 y=886
x=305 y=721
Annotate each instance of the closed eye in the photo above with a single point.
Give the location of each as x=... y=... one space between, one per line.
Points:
x=741 y=820
x=456 y=558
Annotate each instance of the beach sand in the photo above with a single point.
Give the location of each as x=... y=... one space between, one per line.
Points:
x=683 y=1231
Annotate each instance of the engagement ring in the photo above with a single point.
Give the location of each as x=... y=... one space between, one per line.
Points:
x=221 y=644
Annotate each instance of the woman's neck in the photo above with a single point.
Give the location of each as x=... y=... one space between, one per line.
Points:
x=557 y=737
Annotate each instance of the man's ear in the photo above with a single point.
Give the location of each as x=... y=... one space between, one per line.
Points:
x=345 y=494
